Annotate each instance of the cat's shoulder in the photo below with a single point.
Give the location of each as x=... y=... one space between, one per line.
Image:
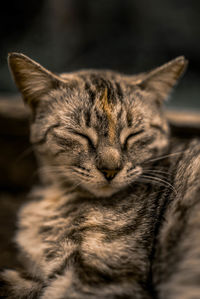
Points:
x=190 y=153
x=185 y=149
x=44 y=201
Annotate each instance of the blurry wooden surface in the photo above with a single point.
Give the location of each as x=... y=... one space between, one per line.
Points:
x=184 y=118
x=17 y=163
x=13 y=107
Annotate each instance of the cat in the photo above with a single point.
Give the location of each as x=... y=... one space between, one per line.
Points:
x=117 y=214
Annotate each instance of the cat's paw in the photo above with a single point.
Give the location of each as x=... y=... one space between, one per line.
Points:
x=14 y=286
x=5 y=285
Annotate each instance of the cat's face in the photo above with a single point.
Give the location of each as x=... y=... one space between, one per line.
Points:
x=99 y=143
x=96 y=129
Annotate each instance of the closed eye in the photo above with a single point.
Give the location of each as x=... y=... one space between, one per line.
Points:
x=91 y=144
x=65 y=142
x=132 y=135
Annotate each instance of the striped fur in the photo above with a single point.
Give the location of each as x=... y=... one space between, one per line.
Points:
x=116 y=215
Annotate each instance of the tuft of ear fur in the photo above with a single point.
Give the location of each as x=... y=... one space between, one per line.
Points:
x=32 y=80
x=162 y=79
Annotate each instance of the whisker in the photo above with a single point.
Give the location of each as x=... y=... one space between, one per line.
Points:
x=144 y=180
x=157 y=179
x=156 y=175
x=157 y=171
x=81 y=172
x=165 y=156
x=132 y=186
x=73 y=187
x=24 y=154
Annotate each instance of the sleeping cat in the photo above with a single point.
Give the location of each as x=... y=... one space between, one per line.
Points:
x=117 y=214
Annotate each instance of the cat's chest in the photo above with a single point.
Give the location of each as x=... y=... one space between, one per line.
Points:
x=111 y=238
x=104 y=235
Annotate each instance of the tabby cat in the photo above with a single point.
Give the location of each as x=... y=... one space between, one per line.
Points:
x=117 y=214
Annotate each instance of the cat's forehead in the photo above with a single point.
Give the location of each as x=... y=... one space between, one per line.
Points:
x=90 y=86
x=101 y=97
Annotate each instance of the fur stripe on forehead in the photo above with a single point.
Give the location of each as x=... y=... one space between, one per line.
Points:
x=107 y=108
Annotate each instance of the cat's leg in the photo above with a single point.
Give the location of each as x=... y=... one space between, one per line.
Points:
x=69 y=285
x=177 y=260
x=179 y=264
x=14 y=285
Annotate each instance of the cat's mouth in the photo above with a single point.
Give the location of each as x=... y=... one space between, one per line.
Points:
x=106 y=188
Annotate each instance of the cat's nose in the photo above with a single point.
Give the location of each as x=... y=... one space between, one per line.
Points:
x=109 y=174
x=109 y=162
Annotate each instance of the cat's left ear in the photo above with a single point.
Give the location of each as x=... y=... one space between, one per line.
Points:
x=161 y=80
x=32 y=79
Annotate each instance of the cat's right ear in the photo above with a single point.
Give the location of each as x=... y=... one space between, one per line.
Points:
x=32 y=80
x=161 y=80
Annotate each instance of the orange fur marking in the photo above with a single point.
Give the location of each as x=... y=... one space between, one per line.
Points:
x=107 y=108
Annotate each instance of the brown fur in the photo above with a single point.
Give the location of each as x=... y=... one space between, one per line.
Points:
x=116 y=215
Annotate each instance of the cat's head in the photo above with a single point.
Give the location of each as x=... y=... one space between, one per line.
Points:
x=95 y=128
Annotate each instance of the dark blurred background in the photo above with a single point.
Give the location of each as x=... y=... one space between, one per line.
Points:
x=125 y=35
x=65 y=35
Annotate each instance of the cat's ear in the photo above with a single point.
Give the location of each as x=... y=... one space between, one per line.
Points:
x=161 y=80
x=32 y=80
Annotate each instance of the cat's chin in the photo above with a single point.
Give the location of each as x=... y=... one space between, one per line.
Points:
x=104 y=191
